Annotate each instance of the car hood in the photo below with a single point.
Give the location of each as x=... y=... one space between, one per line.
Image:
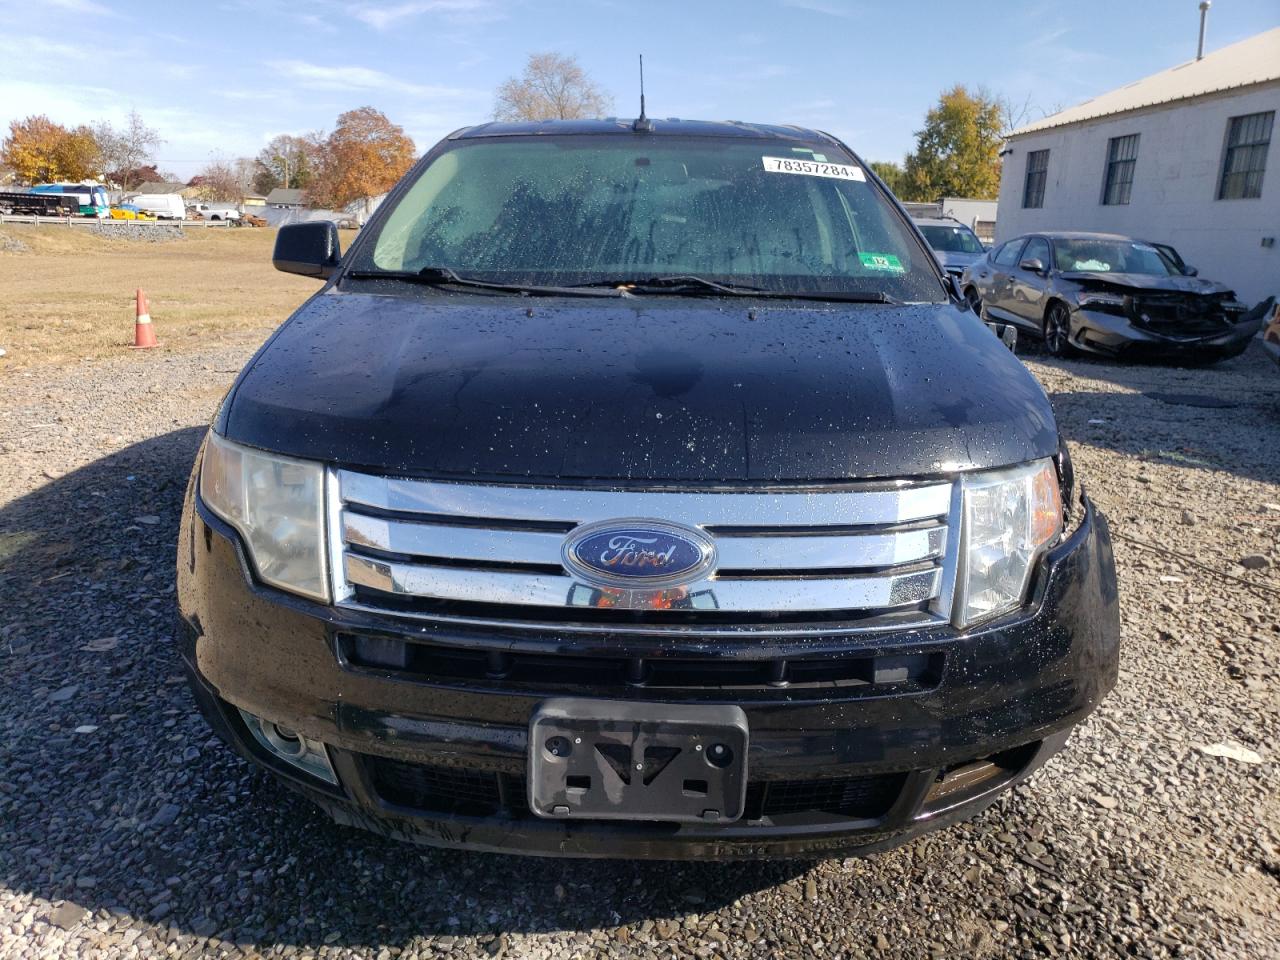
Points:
x=1146 y=281
x=669 y=388
x=954 y=259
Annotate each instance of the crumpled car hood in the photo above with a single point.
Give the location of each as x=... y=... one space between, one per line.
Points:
x=1150 y=282
x=659 y=389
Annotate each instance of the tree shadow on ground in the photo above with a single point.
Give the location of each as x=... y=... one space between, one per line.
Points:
x=115 y=795
x=1221 y=418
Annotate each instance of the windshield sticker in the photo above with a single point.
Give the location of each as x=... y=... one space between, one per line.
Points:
x=884 y=262
x=812 y=168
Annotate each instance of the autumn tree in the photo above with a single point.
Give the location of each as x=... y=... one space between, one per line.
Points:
x=364 y=156
x=127 y=152
x=286 y=161
x=552 y=87
x=957 y=153
x=41 y=151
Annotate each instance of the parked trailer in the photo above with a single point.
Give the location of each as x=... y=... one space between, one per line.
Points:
x=39 y=204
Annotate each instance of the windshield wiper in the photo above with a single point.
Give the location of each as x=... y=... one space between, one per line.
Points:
x=446 y=277
x=686 y=284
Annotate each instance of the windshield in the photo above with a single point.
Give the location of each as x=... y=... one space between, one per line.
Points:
x=1111 y=256
x=951 y=239
x=590 y=209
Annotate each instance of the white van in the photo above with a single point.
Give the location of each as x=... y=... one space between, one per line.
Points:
x=165 y=206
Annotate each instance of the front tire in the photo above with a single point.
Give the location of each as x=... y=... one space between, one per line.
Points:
x=1057 y=331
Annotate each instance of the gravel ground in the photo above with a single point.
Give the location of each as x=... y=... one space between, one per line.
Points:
x=127 y=830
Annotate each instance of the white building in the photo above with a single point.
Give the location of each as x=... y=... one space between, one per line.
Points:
x=1182 y=157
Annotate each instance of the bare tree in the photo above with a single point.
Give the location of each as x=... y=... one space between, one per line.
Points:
x=218 y=182
x=552 y=87
x=125 y=152
x=1013 y=115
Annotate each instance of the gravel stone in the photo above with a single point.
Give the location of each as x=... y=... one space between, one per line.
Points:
x=1131 y=842
x=67 y=916
x=140 y=233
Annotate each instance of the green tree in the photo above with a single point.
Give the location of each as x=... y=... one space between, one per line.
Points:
x=958 y=152
x=287 y=161
x=891 y=173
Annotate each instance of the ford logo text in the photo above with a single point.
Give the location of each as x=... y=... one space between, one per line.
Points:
x=642 y=554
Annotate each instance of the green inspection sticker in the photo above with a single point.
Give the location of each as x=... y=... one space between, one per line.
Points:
x=881 y=261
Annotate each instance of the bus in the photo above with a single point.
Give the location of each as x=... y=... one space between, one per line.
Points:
x=92 y=197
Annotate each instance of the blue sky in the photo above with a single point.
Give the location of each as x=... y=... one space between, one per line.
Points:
x=218 y=78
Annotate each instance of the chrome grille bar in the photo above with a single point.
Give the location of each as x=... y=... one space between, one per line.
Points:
x=899 y=504
x=545 y=590
x=539 y=548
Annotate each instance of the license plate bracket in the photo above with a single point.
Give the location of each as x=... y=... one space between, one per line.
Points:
x=617 y=760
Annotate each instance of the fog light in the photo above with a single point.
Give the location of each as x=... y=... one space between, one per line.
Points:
x=291 y=747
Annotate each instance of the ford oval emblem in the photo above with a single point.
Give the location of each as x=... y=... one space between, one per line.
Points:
x=641 y=554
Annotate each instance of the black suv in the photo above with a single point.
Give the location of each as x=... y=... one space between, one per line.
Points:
x=640 y=490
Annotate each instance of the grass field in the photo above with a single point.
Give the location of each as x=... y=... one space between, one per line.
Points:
x=70 y=293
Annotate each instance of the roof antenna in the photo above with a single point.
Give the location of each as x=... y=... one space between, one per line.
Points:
x=643 y=124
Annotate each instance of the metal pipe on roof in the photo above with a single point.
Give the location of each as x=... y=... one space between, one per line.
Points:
x=1204 y=14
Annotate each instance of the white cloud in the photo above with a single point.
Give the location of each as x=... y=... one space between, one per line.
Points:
x=317 y=76
x=832 y=8
x=86 y=7
x=382 y=16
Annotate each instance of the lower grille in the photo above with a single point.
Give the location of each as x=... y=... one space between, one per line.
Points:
x=455 y=790
x=878 y=674
x=484 y=793
x=862 y=798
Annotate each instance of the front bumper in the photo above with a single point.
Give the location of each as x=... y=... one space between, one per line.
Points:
x=1108 y=334
x=882 y=764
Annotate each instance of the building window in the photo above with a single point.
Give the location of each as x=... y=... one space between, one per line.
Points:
x=1122 y=157
x=1037 y=172
x=1246 y=158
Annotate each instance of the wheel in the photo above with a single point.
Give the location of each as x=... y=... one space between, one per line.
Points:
x=1057 y=330
x=975 y=302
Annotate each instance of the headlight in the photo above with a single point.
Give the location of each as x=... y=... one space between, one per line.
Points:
x=277 y=505
x=1010 y=516
x=1089 y=298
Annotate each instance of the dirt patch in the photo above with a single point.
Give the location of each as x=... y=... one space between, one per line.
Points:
x=68 y=294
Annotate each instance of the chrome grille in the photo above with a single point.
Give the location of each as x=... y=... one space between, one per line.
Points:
x=789 y=553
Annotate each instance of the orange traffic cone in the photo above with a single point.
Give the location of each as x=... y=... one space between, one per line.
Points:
x=144 y=336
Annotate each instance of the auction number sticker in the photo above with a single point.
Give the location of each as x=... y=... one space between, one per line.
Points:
x=884 y=262
x=814 y=168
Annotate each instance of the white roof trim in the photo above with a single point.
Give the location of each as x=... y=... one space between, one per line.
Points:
x=1252 y=61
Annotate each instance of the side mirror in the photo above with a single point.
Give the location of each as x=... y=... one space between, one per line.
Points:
x=1035 y=265
x=1191 y=271
x=308 y=249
